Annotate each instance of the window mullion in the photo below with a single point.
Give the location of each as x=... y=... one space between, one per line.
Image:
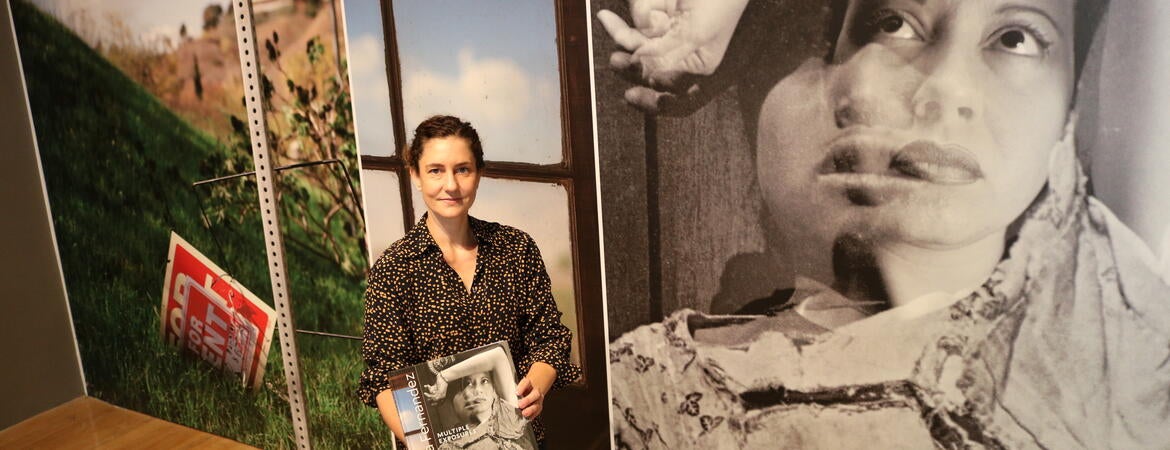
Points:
x=394 y=78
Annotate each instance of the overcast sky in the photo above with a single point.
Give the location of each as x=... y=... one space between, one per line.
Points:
x=150 y=18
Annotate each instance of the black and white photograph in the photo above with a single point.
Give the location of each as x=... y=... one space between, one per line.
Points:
x=464 y=401
x=884 y=224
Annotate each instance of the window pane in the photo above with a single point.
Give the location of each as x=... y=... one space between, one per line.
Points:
x=542 y=211
x=493 y=64
x=383 y=206
x=367 y=76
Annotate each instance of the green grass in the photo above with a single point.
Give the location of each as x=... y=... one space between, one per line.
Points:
x=118 y=166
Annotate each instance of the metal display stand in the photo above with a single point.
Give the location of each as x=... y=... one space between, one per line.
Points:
x=274 y=244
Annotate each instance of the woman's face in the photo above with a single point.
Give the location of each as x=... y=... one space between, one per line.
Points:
x=446 y=176
x=476 y=398
x=936 y=122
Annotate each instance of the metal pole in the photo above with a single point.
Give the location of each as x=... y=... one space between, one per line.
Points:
x=270 y=213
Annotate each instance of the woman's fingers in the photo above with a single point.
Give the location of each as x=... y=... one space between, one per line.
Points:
x=640 y=10
x=652 y=17
x=525 y=402
x=666 y=103
x=620 y=60
x=531 y=400
x=644 y=98
x=532 y=411
x=628 y=38
x=655 y=61
x=522 y=391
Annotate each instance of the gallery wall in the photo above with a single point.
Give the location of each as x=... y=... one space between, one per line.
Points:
x=41 y=365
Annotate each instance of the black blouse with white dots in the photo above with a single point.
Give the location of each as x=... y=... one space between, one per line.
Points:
x=418 y=309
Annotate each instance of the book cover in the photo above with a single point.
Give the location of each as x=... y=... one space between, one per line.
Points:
x=464 y=401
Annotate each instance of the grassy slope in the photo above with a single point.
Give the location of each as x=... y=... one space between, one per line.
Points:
x=118 y=166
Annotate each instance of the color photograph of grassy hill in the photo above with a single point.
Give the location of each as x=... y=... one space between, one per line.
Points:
x=119 y=161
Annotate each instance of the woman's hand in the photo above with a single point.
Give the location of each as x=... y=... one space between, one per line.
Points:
x=533 y=387
x=438 y=391
x=673 y=44
x=531 y=399
x=435 y=392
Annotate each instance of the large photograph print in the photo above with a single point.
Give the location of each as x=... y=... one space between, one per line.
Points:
x=141 y=132
x=885 y=224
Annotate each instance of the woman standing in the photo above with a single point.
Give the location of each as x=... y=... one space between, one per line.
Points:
x=455 y=282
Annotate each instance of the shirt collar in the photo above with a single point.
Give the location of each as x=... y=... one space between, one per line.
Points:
x=420 y=240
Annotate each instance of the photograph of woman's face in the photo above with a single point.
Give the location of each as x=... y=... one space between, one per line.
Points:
x=936 y=125
x=476 y=397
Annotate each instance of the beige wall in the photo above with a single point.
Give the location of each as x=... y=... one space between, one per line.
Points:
x=1128 y=154
x=39 y=366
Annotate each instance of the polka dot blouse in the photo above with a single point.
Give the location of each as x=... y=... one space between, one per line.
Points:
x=418 y=309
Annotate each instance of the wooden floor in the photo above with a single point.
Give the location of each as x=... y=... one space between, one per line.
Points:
x=86 y=423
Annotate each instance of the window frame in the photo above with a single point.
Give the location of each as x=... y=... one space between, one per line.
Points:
x=575 y=172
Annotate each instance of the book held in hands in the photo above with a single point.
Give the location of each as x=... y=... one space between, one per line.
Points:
x=463 y=401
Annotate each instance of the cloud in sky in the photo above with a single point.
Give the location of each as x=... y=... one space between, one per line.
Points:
x=517 y=113
x=371 y=96
x=494 y=90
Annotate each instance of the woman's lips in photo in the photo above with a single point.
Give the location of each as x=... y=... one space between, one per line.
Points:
x=477 y=405
x=919 y=160
x=928 y=161
x=874 y=169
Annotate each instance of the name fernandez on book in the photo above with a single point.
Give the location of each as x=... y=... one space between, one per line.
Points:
x=412 y=389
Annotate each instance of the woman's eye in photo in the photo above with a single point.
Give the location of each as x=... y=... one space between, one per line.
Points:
x=1019 y=41
x=891 y=24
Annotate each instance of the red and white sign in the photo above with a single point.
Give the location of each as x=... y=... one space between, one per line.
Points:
x=211 y=315
x=214 y=332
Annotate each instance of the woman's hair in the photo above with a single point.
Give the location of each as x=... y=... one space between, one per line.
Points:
x=1088 y=15
x=441 y=127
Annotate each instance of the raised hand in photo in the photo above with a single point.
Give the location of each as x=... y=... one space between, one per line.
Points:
x=438 y=391
x=672 y=45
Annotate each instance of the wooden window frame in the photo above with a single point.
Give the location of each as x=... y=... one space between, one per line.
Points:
x=575 y=172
